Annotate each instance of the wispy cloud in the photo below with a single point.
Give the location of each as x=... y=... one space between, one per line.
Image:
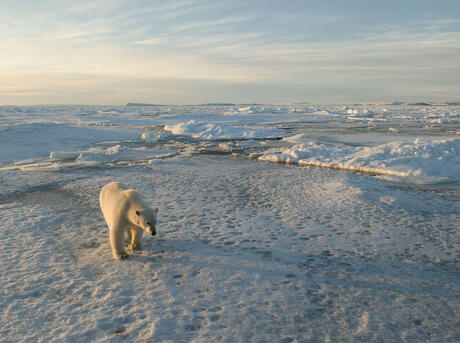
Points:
x=187 y=8
x=153 y=41
x=228 y=22
x=197 y=33
x=82 y=32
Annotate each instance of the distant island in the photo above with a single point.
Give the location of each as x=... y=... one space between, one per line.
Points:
x=449 y=103
x=207 y=104
x=217 y=104
x=420 y=104
x=141 y=104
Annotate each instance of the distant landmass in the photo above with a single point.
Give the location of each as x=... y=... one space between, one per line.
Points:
x=449 y=103
x=207 y=104
x=219 y=104
x=141 y=104
x=420 y=104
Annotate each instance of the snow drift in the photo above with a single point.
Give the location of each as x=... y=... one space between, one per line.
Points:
x=211 y=131
x=419 y=162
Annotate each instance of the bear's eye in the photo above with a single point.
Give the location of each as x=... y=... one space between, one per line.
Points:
x=148 y=223
x=137 y=213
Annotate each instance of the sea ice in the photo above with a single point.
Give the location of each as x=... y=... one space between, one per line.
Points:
x=211 y=131
x=245 y=251
x=419 y=162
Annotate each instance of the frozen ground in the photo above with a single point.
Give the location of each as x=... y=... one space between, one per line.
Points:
x=246 y=251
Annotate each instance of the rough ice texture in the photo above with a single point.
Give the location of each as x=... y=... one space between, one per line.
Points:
x=23 y=141
x=211 y=131
x=419 y=162
x=245 y=251
x=411 y=143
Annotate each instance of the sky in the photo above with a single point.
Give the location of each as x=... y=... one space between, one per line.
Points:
x=201 y=51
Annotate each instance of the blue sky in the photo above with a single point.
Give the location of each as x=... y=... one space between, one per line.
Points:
x=186 y=52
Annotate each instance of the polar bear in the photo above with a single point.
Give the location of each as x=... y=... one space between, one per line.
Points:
x=125 y=211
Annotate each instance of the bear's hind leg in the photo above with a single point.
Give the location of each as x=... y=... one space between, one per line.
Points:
x=136 y=235
x=116 y=241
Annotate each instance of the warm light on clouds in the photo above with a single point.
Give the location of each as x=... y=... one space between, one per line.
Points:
x=204 y=51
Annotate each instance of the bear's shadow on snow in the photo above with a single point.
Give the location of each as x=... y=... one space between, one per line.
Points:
x=150 y=252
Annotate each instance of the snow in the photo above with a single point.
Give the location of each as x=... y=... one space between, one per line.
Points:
x=25 y=141
x=63 y=155
x=211 y=131
x=418 y=162
x=245 y=251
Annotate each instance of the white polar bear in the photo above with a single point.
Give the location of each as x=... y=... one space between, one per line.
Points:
x=125 y=211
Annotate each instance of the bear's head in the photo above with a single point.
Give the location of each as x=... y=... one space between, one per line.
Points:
x=147 y=219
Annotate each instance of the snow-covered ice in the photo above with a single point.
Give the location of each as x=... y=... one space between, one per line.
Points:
x=211 y=131
x=246 y=251
x=427 y=162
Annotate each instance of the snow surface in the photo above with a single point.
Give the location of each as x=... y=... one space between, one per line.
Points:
x=246 y=251
x=210 y=131
x=24 y=141
x=427 y=162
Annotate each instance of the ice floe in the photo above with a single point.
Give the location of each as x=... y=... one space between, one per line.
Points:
x=211 y=131
x=420 y=162
x=246 y=251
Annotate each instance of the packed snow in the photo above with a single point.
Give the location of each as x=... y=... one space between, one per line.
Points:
x=427 y=162
x=210 y=131
x=352 y=236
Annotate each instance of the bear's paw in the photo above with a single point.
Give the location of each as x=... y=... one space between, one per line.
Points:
x=122 y=256
x=135 y=246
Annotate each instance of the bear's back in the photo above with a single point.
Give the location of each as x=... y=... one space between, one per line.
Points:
x=110 y=190
x=112 y=200
x=115 y=195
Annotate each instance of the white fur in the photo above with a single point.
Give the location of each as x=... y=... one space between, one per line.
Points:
x=125 y=211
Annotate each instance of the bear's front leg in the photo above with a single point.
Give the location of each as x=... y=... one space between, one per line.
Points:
x=135 y=235
x=116 y=241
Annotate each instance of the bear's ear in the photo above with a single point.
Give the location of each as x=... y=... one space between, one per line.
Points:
x=137 y=212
